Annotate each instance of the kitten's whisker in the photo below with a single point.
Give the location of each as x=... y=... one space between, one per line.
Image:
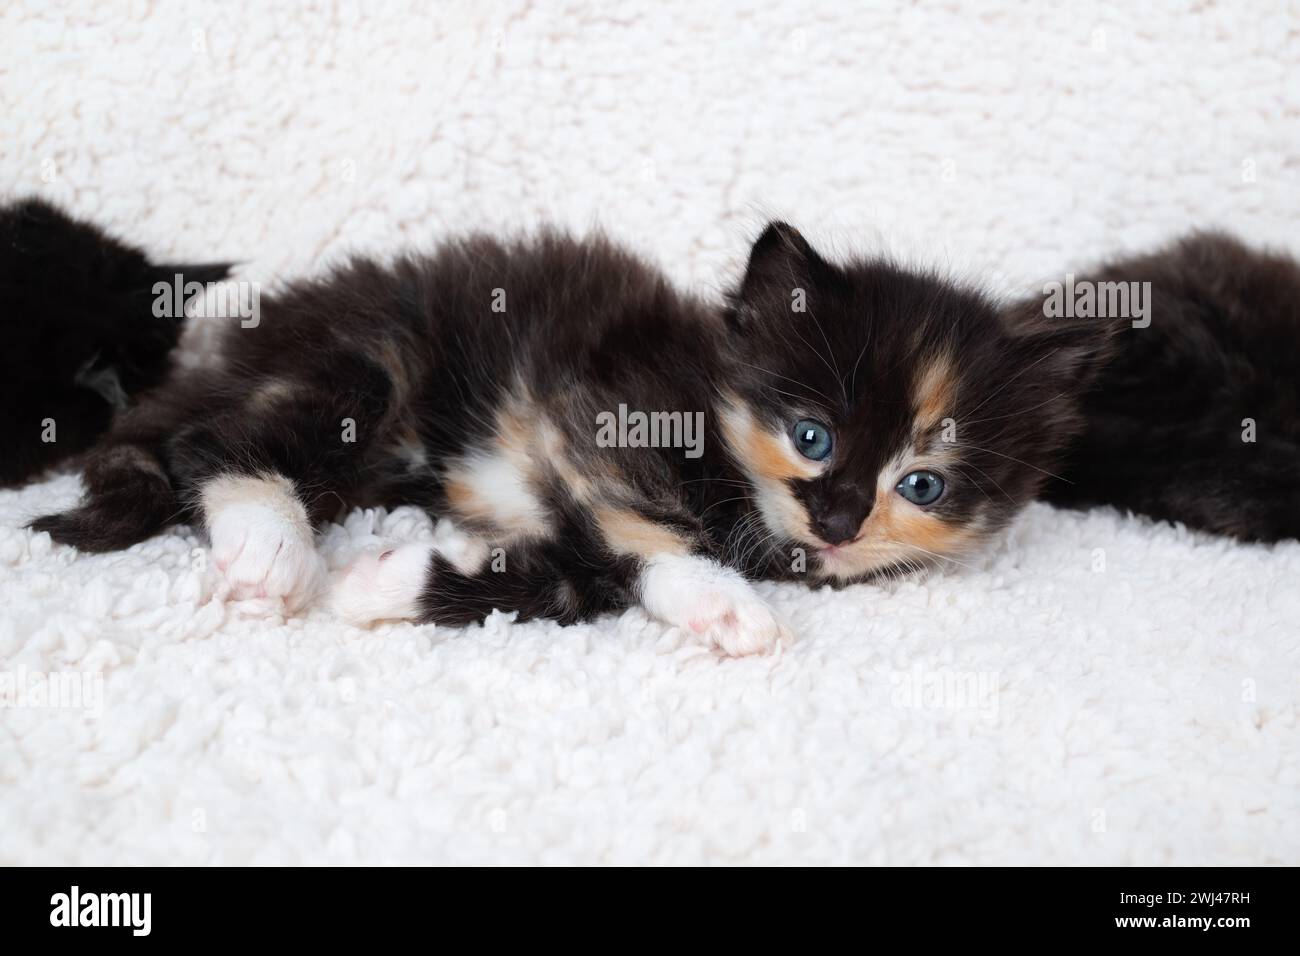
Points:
x=991 y=479
x=783 y=392
x=838 y=377
x=752 y=528
x=830 y=368
x=725 y=501
x=962 y=473
x=979 y=421
x=729 y=481
x=761 y=542
x=748 y=526
x=936 y=554
x=731 y=544
x=794 y=283
x=768 y=371
x=995 y=392
x=1017 y=460
x=853 y=380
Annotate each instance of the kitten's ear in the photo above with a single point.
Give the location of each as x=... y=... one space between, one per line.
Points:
x=781 y=262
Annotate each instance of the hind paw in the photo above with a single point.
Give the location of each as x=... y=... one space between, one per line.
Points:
x=384 y=586
x=262 y=542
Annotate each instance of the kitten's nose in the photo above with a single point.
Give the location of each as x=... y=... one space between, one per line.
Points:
x=839 y=526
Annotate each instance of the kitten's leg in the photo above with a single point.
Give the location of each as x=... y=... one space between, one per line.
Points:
x=388 y=585
x=266 y=472
x=679 y=583
x=712 y=601
x=262 y=540
x=452 y=581
x=456 y=585
x=129 y=494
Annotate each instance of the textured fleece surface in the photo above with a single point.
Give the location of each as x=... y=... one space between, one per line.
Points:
x=1093 y=688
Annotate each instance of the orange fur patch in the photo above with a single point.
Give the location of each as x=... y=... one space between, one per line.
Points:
x=895 y=532
x=912 y=527
x=512 y=435
x=761 y=452
x=494 y=486
x=626 y=532
x=935 y=392
x=555 y=450
x=466 y=502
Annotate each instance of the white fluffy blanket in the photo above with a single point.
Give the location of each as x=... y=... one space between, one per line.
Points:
x=1094 y=688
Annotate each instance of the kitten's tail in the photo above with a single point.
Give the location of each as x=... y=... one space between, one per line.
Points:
x=128 y=498
x=79 y=334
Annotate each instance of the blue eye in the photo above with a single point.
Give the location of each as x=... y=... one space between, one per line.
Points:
x=813 y=439
x=921 y=487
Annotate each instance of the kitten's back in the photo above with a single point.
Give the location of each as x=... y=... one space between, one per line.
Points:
x=1196 y=418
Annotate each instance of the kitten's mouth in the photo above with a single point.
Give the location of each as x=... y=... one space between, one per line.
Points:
x=835 y=559
x=838 y=560
x=832 y=550
x=848 y=559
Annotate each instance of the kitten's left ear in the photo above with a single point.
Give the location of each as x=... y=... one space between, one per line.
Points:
x=781 y=262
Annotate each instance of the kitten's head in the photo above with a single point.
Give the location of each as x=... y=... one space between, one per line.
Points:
x=886 y=418
x=95 y=296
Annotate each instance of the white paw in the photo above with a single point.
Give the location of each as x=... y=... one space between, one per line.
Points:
x=262 y=542
x=712 y=601
x=385 y=586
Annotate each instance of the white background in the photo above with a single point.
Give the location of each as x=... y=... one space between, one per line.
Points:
x=1142 y=713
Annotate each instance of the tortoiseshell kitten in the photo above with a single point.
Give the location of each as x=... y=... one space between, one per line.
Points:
x=1194 y=414
x=80 y=336
x=856 y=420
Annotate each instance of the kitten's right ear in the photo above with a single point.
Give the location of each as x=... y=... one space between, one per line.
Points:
x=780 y=262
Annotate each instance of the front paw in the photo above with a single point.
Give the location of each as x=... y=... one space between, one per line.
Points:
x=737 y=624
x=262 y=543
x=713 y=602
x=382 y=587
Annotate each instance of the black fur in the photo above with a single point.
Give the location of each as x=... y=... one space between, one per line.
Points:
x=80 y=337
x=1167 y=412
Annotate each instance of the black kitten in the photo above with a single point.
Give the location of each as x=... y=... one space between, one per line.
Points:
x=589 y=437
x=79 y=332
x=1195 y=417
